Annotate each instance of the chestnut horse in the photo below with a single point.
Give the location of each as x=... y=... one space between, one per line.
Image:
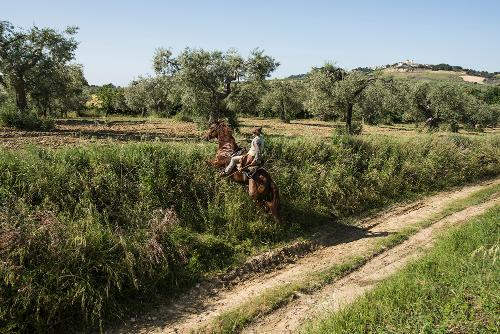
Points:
x=261 y=187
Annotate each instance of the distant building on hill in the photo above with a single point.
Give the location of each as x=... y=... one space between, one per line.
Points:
x=406 y=66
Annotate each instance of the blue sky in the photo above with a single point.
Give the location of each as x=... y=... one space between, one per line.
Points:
x=118 y=38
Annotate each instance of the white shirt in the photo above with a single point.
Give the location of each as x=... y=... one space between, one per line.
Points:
x=256 y=147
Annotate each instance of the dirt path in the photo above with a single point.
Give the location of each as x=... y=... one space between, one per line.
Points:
x=198 y=309
x=347 y=289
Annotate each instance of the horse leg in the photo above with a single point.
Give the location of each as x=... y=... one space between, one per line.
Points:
x=212 y=163
x=253 y=190
x=274 y=204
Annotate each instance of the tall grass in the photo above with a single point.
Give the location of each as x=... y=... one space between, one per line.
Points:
x=453 y=289
x=83 y=230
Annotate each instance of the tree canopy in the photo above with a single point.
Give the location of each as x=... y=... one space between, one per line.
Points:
x=24 y=54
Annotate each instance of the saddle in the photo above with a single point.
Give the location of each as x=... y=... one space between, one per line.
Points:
x=251 y=170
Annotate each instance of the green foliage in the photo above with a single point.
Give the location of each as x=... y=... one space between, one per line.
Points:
x=57 y=89
x=355 y=129
x=491 y=95
x=182 y=117
x=246 y=97
x=111 y=99
x=451 y=289
x=259 y=66
x=202 y=83
x=485 y=115
x=334 y=92
x=10 y=116
x=151 y=95
x=321 y=99
x=212 y=84
x=451 y=104
x=386 y=103
x=83 y=229
x=25 y=55
x=205 y=79
x=283 y=100
x=163 y=62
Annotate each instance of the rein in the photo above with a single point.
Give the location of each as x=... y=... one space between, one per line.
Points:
x=236 y=170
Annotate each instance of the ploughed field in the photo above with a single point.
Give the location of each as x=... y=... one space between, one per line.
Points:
x=82 y=131
x=92 y=231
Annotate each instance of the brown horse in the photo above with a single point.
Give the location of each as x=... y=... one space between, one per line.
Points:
x=261 y=187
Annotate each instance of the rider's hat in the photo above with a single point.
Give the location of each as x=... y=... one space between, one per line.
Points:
x=257 y=130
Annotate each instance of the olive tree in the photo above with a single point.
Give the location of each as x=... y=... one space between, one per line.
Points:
x=347 y=92
x=386 y=102
x=150 y=95
x=284 y=100
x=446 y=103
x=206 y=79
x=334 y=92
x=246 y=97
x=320 y=85
x=21 y=51
x=57 y=88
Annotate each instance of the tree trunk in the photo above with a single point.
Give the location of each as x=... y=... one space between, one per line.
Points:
x=283 y=111
x=348 y=118
x=227 y=88
x=20 y=88
x=214 y=115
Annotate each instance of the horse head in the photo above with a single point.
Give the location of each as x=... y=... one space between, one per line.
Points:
x=217 y=129
x=213 y=131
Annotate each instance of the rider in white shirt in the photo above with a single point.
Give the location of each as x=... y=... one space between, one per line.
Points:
x=255 y=152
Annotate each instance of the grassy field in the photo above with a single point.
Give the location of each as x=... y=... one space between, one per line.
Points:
x=429 y=75
x=426 y=75
x=85 y=229
x=453 y=289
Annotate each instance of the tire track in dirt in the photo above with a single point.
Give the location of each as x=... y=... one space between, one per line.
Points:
x=344 y=291
x=201 y=306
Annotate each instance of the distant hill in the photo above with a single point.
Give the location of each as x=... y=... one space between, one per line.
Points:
x=432 y=75
x=428 y=72
x=297 y=76
x=441 y=71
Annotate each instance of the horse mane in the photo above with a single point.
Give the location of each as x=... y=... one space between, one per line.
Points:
x=225 y=128
x=226 y=134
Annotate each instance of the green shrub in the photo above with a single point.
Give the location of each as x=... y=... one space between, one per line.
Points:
x=183 y=117
x=356 y=129
x=9 y=116
x=82 y=230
